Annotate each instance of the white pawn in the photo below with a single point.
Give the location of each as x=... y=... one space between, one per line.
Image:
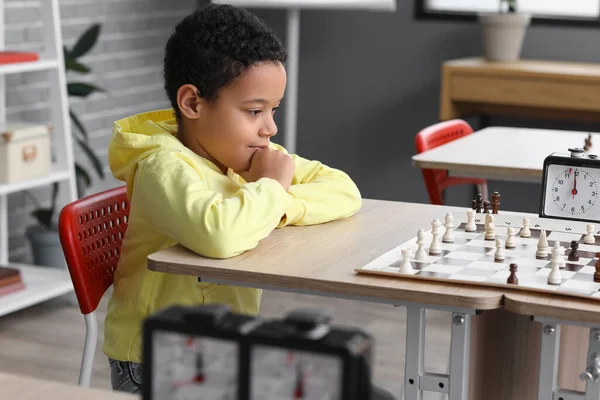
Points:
x=405 y=267
x=470 y=226
x=499 y=254
x=510 y=240
x=589 y=238
x=525 y=232
x=421 y=254
x=449 y=225
x=490 y=227
x=435 y=248
x=542 y=247
x=554 y=277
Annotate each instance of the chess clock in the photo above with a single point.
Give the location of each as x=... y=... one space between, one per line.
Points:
x=208 y=352
x=570 y=186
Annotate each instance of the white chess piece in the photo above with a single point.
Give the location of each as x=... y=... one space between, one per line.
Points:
x=405 y=267
x=510 y=240
x=542 y=246
x=435 y=248
x=554 y=277
x=449 y=225
x=470 y=226
x=490 y=229
x=421 y=254
x=499 y=254
x=589 y=238
x=525 y=232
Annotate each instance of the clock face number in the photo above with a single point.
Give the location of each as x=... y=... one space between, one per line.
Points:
x=574 y=191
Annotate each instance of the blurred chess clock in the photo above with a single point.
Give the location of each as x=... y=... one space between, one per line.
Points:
x=570 y=186
x=210 y=353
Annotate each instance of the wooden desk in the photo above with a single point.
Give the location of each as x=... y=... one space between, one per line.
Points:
x=14 y=387
x=505 y=347
x=540 y=89
x=502 y=153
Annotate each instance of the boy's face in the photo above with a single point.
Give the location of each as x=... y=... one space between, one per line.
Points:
x=240 y=121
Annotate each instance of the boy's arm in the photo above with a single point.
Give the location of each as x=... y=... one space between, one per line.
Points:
x=174 y=195
x=321 y=194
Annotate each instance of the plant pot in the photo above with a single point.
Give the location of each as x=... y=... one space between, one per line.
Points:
x=503 y=35
x=45 y=246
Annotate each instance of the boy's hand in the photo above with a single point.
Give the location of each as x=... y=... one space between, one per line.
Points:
x=270 y=163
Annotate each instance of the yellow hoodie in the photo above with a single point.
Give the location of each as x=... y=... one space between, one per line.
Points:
x=176 y=197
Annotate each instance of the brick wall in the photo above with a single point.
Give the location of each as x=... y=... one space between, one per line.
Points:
x=126 y=61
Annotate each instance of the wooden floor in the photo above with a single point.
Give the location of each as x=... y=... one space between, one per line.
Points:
x=46 y=340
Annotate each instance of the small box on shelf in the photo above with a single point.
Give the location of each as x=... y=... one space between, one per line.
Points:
x=24 y=151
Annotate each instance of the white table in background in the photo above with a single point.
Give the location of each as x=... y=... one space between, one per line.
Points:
x=502 y=153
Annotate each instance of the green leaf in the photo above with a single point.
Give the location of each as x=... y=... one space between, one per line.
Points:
x=83 y=174
x=86 y=41
x=92 y=156
x=81 y=89
x=78 y=124
x=73 y=65
x=67 y=53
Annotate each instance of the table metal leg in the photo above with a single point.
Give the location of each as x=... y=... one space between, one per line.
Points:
x=549 y=360
x=416 y=380
x=459 y=356
x=548 y=388
x=415 y=351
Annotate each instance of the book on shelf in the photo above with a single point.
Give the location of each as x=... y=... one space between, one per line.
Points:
x=11 y=57
x=10 y=280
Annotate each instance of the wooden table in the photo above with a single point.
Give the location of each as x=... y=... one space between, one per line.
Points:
x=503 y=153
x=15 y=387
x=505 y=347
x=540 y=89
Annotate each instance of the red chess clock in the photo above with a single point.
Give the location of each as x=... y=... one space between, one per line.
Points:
x=570 y=185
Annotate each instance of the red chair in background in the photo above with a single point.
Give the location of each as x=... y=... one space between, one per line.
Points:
x=437 y=180
x=91 y=232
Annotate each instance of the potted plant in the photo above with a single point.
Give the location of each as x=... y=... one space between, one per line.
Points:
x=43 y=236
x=504 y=32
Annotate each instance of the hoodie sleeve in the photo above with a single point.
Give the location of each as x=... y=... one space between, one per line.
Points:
x=320 y=194
x=174 y=195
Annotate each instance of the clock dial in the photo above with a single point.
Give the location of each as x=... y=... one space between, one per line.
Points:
x=572 y=192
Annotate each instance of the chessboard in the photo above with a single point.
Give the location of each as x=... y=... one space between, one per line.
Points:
x=491 y=248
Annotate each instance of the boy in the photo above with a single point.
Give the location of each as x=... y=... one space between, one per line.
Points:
x=205 y=174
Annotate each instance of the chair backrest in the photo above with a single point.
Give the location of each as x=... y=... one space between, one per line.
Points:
x=91 y=232
x=432 y=137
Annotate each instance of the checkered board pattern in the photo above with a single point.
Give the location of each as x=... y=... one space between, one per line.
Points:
x=470 y=258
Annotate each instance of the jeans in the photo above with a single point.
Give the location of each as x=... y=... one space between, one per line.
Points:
x=125 y=376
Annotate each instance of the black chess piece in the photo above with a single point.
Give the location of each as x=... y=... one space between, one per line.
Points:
x=574 y=255
x=486 y=207
x=478 y=202
x=512 y=279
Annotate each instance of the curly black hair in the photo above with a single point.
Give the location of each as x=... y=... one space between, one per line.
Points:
x=213 y=46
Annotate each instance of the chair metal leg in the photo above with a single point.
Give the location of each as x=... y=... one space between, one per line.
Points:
x=89 y=349
x=483 y=189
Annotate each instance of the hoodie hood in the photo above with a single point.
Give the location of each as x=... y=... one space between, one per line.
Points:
x=138 y=137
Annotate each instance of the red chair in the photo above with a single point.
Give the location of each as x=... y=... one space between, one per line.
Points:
x=436 y=180
x=91 y=232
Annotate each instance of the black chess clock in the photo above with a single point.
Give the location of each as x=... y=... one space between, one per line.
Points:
x=570 y=186
x=209 y=352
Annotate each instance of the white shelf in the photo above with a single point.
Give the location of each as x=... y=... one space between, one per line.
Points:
x=41 y=284
x=55 y=175
x=27 y=66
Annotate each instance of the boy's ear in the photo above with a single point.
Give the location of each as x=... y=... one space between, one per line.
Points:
x=189 y=101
